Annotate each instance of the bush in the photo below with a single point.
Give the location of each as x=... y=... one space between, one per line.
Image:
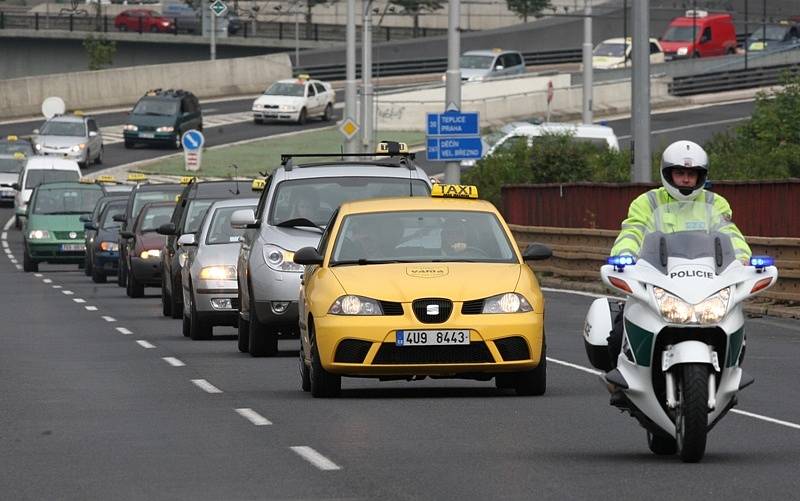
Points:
x=100 y=51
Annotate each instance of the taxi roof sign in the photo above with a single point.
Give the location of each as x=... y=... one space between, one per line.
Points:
x=454 y=191
x=136 y=176
x=391 y=148
x=187 y=179
x=303 y=76
x=258 y=185
x=105 y=178
x=18 y=155
x=12 y=137
x=85 y=180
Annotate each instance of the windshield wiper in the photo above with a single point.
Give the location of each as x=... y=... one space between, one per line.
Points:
x=365 y=261
x=299 y=222
x=64 y=212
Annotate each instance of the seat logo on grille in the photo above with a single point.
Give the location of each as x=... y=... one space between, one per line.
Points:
x=72 y=234
x=432 y=309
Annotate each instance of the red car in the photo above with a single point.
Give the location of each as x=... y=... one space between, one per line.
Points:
x=143 y=20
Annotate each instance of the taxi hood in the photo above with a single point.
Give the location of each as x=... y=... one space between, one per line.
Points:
x=404 y=282
x=279 y=100
x=55 y=222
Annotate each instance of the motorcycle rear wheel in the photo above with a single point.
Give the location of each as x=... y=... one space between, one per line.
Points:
x=691 y=420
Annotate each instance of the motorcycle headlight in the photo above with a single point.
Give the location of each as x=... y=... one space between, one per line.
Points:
x=109 y=246
x=38 y=235
x=280 y=259
x=154 y=253
x=355 y=305
x=130 y=128
x=218 y=273
x=675 y=310
x=165 y=129
x=510 y=302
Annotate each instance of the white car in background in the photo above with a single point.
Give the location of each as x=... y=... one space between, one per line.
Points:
x=295 y=100
x=615 y=52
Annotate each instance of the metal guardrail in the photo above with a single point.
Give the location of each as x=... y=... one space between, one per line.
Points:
x=433 y=65
x=721 y=81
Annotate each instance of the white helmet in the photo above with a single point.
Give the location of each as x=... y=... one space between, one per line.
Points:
x=684 y=155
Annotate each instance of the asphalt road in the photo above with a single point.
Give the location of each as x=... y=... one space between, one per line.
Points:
x=94 y=408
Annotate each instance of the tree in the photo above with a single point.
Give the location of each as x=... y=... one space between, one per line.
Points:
x=414 y=8
x=525 y=8
x=100 y=51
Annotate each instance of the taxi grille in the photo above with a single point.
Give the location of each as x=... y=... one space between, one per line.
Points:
x=352 y=351
x=64 y=235
x=513 y=348
x=442 y=307
x=391 y=354
x=391 y=308
x=474 y=307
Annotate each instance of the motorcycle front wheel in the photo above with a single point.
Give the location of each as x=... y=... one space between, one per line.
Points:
x=691 y=420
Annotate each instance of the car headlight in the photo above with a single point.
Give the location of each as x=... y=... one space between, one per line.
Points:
x=280 y=259
x=109 y=246
x=130 y=128
x=355 y=305
x=709 y=311
x=146 y=254
x=288 y=107
x=510 y=302
x=38 y=235
x=165 y=129
x=682 y=51
x=37 y=147
x=78 y=147
x=477 y=78
x=218 y=273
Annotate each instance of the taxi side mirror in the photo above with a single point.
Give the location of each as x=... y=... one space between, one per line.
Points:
x=90 y=226
x=307 y=256
x=126 y=234
x=536 y=252
x=243 y=219
x=166 y=229
x=187 y=239
x=120 y=218
x=85 y=218
x=15 y=186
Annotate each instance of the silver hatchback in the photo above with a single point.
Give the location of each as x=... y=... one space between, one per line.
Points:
x=294 y=208
x=74 y=137
x=210 y=295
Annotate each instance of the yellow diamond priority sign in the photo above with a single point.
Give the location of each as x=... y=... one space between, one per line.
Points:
x=349 y=128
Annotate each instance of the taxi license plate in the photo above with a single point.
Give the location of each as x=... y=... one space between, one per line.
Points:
x=73 y=247
x=431 y=337
x=147 y=135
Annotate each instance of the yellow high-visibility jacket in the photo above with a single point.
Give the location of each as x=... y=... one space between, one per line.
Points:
x=640 y=217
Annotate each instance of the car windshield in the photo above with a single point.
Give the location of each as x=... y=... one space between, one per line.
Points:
x=155 y=216
x=286 y=89
x=194 y=215
x=476 y=62
x=315 y=199
x=772 y=33
x=143 y=197
x=422 y=237
x=66 y=200
x=220 y=231
x=681 y=33
x=35 y=177
x=60 y=128
x=11 y=147
x=159 y=107
x=107 y=219
x=11 y=164
x=610 y=50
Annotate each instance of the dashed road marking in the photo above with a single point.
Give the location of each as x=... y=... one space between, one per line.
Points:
x=206 y=386
x=144 y=344
x=19 y=266
x=253 y=416
x=5 y=244
x=47 y=280
x=91 y=308
x=67 y=292
x=173 y=361
x=14 y=261
x=123 y=330
x=8 y=225
x=37 y=275
x=4 y=235
x=315 y=458
x=56 y=286
x=78 y=300
x=109 y=319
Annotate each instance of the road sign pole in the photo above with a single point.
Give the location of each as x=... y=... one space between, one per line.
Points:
x=640 y=86
x=350 y=145
x=452 y=172
x=587 y=63
x=213 y=36
x=366 y=72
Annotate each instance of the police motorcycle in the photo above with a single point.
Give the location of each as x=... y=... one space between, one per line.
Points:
x=683 y=341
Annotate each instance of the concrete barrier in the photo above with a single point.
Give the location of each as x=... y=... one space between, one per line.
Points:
x=124 y=86
x=508 y=99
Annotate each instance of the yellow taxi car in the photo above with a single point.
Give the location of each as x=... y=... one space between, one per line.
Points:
x=405 y=288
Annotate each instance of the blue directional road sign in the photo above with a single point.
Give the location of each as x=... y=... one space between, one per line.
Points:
x=192 y=140
x=454 y=123
x=454 y=148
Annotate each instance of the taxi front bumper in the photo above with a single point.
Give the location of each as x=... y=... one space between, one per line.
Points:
x=366 y=346
x=69 y=154
x=57 y=251
x=276 y=114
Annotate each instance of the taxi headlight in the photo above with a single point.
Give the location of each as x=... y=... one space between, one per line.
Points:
x=109 y=246
x=355 y=305
x=280 y=259
x=682 y=51
x=38 y=235
x=510 y=302
x=288 y=107
x=78 y=147
x=130 y=128
x=154 y=253
x=37 y=147
x=675 y=310
x=218 y=273
x=165 y=129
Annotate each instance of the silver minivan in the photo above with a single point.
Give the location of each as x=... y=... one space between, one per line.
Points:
x=292 y=212
x=478 y=65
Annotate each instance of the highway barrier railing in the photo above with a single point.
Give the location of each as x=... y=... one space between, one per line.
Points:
x=722 y=81
x=579 y=253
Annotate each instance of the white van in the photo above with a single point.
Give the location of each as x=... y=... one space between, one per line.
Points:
x=38 y=170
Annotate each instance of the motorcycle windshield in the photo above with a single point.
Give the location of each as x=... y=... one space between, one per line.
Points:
x=688 y=230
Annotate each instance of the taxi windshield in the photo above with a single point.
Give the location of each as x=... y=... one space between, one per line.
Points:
x=422 y=237
x=11 y=147
x=315 y=199
x=142 y=197
x=12 y=165
x=158 y=107
x=774 y=33
x=476 y=62
x=35 y=177
x=59 y=128
x=286 y=89
x=194 y=215
x=107 y=219
x=610 y=50
x=220 y=230
x=66 y=200
x=155 y=216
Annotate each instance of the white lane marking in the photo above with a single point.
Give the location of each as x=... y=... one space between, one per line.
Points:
x=577 y=293
x=767 y=419
x=123 y=330
x=78 y=300
x=67 y=292
x=56 y=286
x=5 y=244
x=47 y=280
x=19 y=266
x=693 y=126
x=253 y=416
x=144 y=344
x=3 y=236
x=91 y=308
x=13 y=261
x=7 y=251
x=8 y=224
x=315 y=458
x=206 y=386
x=37 y=275
x=109 y=319
x=173 y=361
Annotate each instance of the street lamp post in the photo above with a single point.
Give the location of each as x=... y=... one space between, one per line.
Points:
x=366 y=73
x=452 y=172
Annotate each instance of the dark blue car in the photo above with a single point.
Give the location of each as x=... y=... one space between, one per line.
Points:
x=104 y=254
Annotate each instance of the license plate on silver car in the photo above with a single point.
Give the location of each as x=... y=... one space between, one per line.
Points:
x=72 y=247
x=147 y=135
x=431 y=337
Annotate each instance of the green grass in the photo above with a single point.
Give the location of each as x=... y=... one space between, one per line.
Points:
x=265 y=155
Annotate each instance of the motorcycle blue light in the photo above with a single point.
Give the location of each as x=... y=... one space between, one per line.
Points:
x=761 y=261
x=622 y=261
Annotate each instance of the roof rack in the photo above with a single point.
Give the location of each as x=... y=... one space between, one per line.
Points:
x=404 y=159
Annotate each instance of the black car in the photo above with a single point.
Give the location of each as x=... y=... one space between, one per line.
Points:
x=103 y=251
x=195 y=200
x=91 y=223
x=160 y=117
x=140 y=195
